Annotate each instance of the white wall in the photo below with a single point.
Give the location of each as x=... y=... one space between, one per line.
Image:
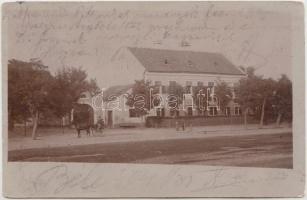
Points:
x=126 y=69
x=120 y=112
x=182 y=78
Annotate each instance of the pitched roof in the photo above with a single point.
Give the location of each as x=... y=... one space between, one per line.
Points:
x=115 y=91
x=161 y=60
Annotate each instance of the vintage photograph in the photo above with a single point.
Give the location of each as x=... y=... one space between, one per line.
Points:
x=204 y=84
x=153 y=99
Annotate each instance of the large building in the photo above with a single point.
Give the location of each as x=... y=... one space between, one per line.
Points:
x=167 y=68
x=191 y=70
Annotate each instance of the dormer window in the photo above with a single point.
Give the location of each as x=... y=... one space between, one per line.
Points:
x=190 y=63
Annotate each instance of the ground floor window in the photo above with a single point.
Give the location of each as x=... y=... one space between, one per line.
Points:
x=133 y=113
x=201 y=112
x=174 y=112
x=227 y=111
x=212 y=111
x=160 y=112
x=190 y=111
x=238 y=110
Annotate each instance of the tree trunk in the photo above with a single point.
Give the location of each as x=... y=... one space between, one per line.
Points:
x=11 y=121
x=278 y=119
x=262 y=112
x=62 y=124
x=35 y=122
x=245 y=117
x=25 y=125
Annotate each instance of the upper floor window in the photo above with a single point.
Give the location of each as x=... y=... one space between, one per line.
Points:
x=172 y=83
x=190 y=63
x=158 y=83
x=164 y=89
x=200 y=83
x=188 y=89
x=210 y=84
x=189 y=83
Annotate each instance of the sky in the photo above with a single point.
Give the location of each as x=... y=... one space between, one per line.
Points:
x=92 y=35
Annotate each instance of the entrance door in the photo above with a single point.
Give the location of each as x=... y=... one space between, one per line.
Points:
x=162 y=112
x=110 y=118
x=190 y=111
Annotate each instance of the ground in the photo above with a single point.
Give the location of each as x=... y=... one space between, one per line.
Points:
x=222 y=145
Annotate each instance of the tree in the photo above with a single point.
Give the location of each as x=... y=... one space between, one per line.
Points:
x=256 y=93
x=175 y=96
x=29 y=89
x=140 y=98
x=282 y=99
x=33 y=91
x=223 y=93
x=265 y=90
x=17 y=107
x=68 y=86
x=199 y=96
x=247 y=92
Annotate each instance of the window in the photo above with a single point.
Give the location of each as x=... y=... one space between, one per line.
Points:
x=212 y=111
x=201 y=112
x=172 y=83
x=133 y=113
x=163 y=112
x=188 y=89
x=238 y=110
x=164 y=89
x=160 y=112
x=190 y=111
x=200 y=83
x=172 y=112
x=158 y=83
x=156 y=101
x=227 y=111
x=189 y=83
x=190 y=63
x=210 y=84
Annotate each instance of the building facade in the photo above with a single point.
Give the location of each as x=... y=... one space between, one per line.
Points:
x=193 y=71
x=196 y=73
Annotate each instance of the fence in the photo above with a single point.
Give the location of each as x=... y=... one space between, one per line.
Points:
x=154 y=121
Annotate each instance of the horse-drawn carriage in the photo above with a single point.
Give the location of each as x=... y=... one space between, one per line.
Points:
x=83 y=119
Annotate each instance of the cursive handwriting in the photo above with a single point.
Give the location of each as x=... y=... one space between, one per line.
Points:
x=64 y=178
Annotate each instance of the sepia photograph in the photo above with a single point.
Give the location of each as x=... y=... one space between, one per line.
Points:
x=152 y=83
